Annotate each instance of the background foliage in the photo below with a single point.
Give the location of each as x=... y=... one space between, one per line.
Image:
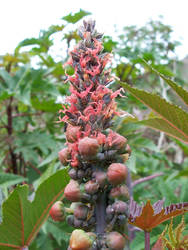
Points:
x=31 y=93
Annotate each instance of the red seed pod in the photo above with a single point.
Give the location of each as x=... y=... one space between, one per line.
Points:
x=116 y=173
x=81 y=211
x=88 y=147
x=72 y=133
x=120 y=192
x=72 y=191
x=115 y=241
x=80 y=240
x=91 y=187
x=100 y=177
x=57 y=212
x=116 y=141
x=120 y=207
x=64 y=156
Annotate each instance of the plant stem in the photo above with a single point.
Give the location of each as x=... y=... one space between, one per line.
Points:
x=10 y=132
x=131 y=233
x=147 y=240
x=144 y=179
x=100 y=211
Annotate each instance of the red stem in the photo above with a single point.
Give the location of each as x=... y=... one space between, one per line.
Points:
x=10 y=131
x=147 y=240
x=145 y=179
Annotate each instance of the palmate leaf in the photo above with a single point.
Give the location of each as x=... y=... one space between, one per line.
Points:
x=175 y=239
x=150 y=216
x=23 y=219
x=162 y=125
x=175 y=117
x=7 y=180
x=181 y=92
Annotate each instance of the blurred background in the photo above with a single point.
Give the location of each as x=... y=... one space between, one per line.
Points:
x=35 y=39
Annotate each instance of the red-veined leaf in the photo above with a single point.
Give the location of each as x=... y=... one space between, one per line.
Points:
x=23 y=219
x=148 y=217
x=181 y=92
x=174 y=116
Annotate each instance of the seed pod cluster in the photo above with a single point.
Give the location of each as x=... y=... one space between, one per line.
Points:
x=95 y=153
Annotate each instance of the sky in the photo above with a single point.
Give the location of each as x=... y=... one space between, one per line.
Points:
x=20 y=19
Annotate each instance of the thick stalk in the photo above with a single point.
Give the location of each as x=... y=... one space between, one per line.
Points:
x=10 y=131
x=147 y=240
x=131 y=232
x=100 y=211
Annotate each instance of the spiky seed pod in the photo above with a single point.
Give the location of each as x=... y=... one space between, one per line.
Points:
x=57 y=211
x=88 y=147
x=115 y=241
x=116 y=173
x=64 y=156
x=72 y=133
x=100 y=177
x=120 y=192
x=91 y=187
x=116 y=141
x=72 y=191
x=80 y=240
x=81 y=211
x=120 y=207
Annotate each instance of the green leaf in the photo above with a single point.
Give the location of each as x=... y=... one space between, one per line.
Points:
x=181 y=92
x=9 y=81
x=23 y=219
x=7 y=180
x=142 y=142
x=131 y=163
x=61 y=232
x=162 y=125
x=76 y=17
x=29 y=41
x=171 y=114
x=23 y=86
x=45 y=105
x=50 y=158
x=183 y=147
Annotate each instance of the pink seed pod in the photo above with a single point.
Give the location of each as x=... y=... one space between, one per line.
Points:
x=120 y=192
x=100 y=177
x=80 y=240
x=116 y=141
x=91 y=187
x=72 y=191
x=88 y=147
x=64 y=156
x=72 y=133
x=120 y=207
x=57 y=212
x=81 y=211
x=115 y=241
x=116 y=173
